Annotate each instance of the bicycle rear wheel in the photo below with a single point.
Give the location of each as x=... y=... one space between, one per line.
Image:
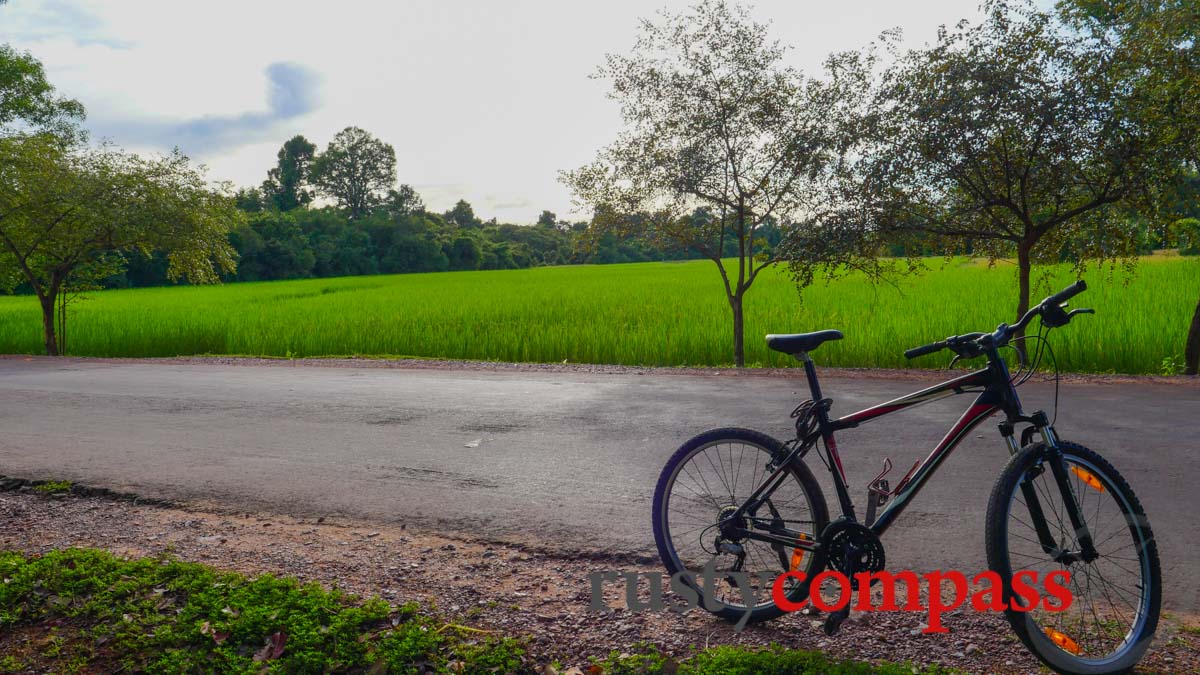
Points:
x=1116 y=597
x=708 y=477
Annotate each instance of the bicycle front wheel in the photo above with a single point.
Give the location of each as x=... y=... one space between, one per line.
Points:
x=1116 y=596
x=709 y=477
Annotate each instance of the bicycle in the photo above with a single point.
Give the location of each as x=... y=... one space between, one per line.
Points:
x=1056 y=506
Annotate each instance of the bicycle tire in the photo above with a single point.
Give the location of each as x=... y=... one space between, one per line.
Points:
x=1040 y=640
x=800 y=473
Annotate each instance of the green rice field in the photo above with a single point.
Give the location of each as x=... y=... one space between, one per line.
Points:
x=659 y=314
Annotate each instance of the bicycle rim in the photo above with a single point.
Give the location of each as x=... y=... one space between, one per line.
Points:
x=713 y=479
x=1112 y=596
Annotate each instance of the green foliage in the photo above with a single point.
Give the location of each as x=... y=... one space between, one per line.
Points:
x=665 y=314
x=725 y=660
x=287 y=185
x=53 y=487
x=645 y=658
x=397 y=237
x=463 y=216
x=783 y=661
x=1171 y=365
x=355 y=170
x=464 y=254
x=69 y=213
x=720 y=139
x=27 y=98
x=1187 y=234
x=272 y=245
x=163 y=615
x=1016 y=137
x=1154 y=48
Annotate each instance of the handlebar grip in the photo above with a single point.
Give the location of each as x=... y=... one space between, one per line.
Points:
x=1066 y=293
x=925 y=349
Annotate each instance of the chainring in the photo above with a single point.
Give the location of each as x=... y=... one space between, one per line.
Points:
x=843 y=538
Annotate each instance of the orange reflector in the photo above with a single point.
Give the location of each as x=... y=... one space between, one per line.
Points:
x=1063 y=640
x=798 y=555
x=1087 y=477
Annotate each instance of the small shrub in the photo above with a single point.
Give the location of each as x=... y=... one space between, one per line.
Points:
x=53 y=487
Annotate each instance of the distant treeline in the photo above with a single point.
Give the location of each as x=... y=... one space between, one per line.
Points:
x=324 y=242
x=339 y=213
x=370 y=228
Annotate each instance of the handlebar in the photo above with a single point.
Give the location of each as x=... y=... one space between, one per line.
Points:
x=925 y=349
x=1066 y=293
x=973 y=344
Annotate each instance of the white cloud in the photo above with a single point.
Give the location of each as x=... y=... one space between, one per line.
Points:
x=290 y=94
x=482 y=100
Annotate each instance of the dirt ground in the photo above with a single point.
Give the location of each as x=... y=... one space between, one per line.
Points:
x=514 y=590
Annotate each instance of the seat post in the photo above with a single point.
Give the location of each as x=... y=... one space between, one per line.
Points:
x=811 y=371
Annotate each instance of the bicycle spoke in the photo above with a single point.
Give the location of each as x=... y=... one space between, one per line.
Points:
x=697 y=500
x=1104 y=614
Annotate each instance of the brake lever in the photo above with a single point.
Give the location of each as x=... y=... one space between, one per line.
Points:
x=1080 y=311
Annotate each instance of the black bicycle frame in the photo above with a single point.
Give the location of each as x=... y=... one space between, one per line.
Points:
x=996 y=393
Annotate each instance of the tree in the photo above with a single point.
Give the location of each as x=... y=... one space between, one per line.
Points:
x=1155 y=44
x=250 y=200
x=463 y=216
x=464 y=253
x=287 y=184
x=28 y=100
x=547 y=220
x=69 y=213
x=272 y=245
x=403 y=202
x=719 y=138
x=1010 y=138
x=355 y=169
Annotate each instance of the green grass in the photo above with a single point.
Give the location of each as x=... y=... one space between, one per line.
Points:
x=83 y=610
x=53 y=487
x=726 y=660
x=87 y=610
x=664 y=314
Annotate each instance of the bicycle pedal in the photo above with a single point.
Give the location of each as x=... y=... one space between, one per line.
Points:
x=833 y=623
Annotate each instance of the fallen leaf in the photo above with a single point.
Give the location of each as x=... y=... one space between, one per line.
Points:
x=273 y=649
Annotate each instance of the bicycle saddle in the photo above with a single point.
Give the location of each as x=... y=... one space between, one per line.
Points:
x=801 y=342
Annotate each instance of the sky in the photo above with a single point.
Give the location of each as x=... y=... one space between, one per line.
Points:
x=483 y=100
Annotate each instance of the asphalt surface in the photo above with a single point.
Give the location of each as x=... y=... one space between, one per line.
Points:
x=566 y=460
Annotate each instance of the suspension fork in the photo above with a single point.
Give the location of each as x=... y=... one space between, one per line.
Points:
x=1058 y=468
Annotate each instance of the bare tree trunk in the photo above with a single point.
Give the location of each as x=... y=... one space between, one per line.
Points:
x=62 y=323
x=48 y=307
x=1023 y=269
x=1191 y=353
x=739 y=342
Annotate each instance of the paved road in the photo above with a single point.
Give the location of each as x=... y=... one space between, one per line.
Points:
x=565 y=458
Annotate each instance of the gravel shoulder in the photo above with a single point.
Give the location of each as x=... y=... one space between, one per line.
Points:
x=510 y=589
x=913 y=374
